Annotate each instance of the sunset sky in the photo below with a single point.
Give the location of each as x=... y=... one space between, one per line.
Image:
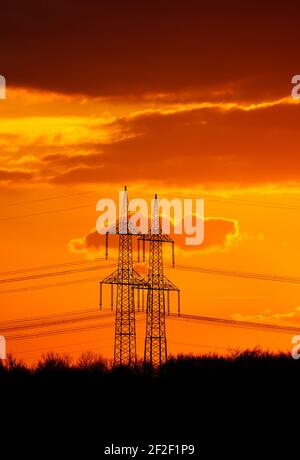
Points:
x=184 y=99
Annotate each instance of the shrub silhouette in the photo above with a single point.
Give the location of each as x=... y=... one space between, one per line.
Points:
x=91 y=362
x=192 y=368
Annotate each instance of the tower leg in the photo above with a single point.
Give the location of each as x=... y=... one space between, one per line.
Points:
x=125 y=331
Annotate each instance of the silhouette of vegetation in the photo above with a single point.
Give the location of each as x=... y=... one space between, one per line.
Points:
x=90 y=395
x=91 y=367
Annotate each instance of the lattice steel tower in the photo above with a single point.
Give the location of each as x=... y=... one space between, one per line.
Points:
x=126 y=279
x=156 y=339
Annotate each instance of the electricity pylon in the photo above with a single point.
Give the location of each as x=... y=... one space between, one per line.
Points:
x=155 y=352
x=126 y=279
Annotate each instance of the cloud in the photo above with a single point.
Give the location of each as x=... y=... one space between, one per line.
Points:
x=15 y=176
x=269 y=316
x=186 y=145
x=154 y=49
x=220 y=234
x=207 y=146
x=89 y=244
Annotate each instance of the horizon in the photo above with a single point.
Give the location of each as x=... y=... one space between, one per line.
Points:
x=169 y=102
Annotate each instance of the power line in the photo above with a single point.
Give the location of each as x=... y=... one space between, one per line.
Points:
x=236 y=323
x=264 y=204
x=55 y=315
x=258 y=203
x=60 y=331
x=41 y=213
x=57 y=322
x=62 y=347
x=210 y=271
x=67 y=345
x=187 y=317
x=51 y=285
x=47 y=267
x=38 y=200
x=50 y=274
x=57 y=332
x=214 y=271
x=85 y=315
x=216 y=198
x=239 y=274
x=55 y=347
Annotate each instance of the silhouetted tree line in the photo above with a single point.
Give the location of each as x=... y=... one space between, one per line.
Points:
x=188 y=396
x=93 y=368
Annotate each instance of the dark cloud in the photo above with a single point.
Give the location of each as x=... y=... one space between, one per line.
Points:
x=131 y=48
x=71 y=161
x=15 y=175
x=217 y=234
x=206 y=146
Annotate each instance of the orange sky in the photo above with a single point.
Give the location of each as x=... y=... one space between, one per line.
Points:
x=184 y=107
